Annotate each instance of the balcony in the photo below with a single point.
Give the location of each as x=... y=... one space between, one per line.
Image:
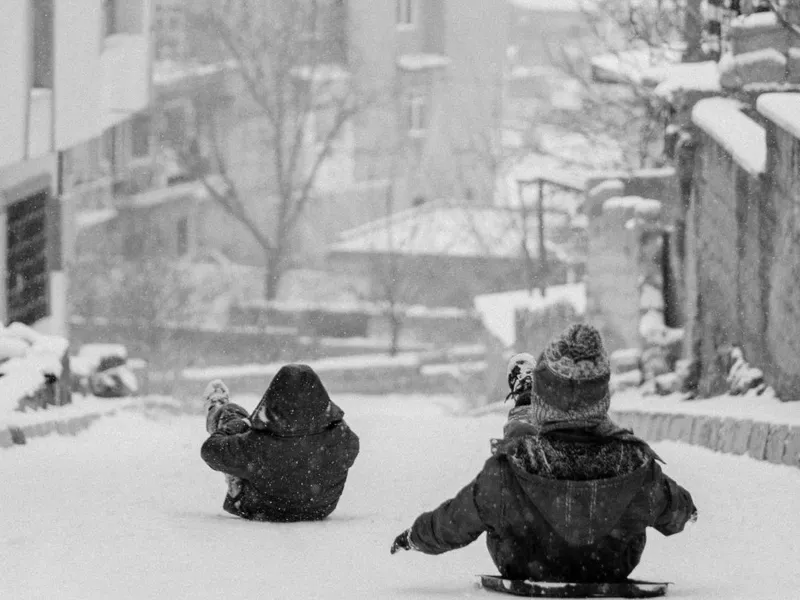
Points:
x=126 y=76
x=40 y=125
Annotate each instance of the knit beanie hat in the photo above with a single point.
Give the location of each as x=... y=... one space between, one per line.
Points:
x=570 y=381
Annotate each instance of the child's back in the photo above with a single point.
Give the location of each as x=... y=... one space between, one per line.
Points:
x=295 y=456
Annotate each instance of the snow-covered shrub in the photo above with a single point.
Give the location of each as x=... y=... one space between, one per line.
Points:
x=742 y=377
x=30 y=376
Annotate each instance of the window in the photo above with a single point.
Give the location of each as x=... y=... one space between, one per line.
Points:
x=81 y=164
x=140 y=136
x=109 y=18
x=26 y=259
x=133 y=246
x=183 y=236
x=170 y=28
x=416 y=115
x=176 y=122
x=43 y=43
x=109 y=150
x=405 y=12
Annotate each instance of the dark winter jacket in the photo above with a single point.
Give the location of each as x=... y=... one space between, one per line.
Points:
x=569 y=505
x=295 y=457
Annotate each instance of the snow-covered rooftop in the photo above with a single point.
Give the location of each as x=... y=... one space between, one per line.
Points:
x=497 y=310
x=782 y=109
x=420 y=61
x=440 y=229
x=743 y=138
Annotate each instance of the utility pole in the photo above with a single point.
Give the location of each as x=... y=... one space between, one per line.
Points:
x=542 y=245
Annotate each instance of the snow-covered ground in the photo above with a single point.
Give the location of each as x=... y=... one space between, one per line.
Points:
x=128 y=510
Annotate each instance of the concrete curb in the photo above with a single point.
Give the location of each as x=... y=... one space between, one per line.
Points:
x=70 y=426
x=771 y=442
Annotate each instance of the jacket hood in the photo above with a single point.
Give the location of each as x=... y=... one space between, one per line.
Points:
x=295 y=404
x=580 y=485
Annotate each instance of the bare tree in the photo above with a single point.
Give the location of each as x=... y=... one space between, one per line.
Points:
x=298 y=98
x=621 y=41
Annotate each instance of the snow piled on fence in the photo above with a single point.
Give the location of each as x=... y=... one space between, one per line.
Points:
x=783 y=110
x=497 y=311
x=740 y=136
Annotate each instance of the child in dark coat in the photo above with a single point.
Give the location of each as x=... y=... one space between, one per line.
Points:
x=567 y=495
x=289 y=460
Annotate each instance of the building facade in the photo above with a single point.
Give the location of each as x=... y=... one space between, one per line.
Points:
x=432 y=70
x=73 y=73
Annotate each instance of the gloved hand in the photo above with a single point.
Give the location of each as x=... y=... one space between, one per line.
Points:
x=235 y=427
x=402 y=542
x=215 y=397
x=229 y=419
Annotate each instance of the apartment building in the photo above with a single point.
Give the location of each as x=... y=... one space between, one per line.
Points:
x=75 y=76
x=440 y=64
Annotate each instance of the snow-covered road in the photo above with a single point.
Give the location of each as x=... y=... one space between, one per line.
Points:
x=128 y=510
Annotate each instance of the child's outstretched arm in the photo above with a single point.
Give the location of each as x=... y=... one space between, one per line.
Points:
x=454 y=524
x=227 y=453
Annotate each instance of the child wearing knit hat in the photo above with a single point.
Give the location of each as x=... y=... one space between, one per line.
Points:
x=566 y=495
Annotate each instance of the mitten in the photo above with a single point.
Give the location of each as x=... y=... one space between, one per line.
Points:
x=215 y=396
x=520 y=377
x=402 y=542
x=229 y=419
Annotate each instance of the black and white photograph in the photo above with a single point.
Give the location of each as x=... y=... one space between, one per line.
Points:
x=399 y=299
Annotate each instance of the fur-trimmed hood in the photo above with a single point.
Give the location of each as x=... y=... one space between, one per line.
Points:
x=296 y=404
x=580 y=480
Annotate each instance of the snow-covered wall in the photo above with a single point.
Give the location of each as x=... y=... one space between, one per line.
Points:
x=783 y=210
x=741 y=243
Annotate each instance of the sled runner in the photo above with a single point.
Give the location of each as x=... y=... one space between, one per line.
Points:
x=550 y=589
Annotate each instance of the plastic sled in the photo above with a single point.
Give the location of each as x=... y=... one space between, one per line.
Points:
x=552 y=589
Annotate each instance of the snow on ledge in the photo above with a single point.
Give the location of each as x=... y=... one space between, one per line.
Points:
x=744 y=139
x=755 y=22
x=641 y=206
x=418 y=62
x=781 y=109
